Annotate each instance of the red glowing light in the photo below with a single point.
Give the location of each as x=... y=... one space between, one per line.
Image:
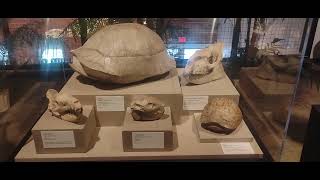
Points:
x=182 y=39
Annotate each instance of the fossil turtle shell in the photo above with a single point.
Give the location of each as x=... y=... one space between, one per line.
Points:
x=122 y=54
x=221 y=115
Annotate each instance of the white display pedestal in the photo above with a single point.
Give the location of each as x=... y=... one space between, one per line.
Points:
x=166 y=89
x=109 y=144
x=195 y=97
x=241 y=134
x=109 y=147
x=53 y=135
x=142 y=136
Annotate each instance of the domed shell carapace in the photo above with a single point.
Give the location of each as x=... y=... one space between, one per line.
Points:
x=122 y=54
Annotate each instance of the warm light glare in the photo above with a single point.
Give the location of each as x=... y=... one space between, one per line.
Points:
x=188 y=53
x=50 y=54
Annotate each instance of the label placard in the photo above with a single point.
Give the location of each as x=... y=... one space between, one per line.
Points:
x=144 y=140
x=195 y=102
x=110 y=103
x=237 y=148
x=58 y=139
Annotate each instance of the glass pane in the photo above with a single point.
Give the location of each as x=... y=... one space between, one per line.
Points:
x=306 y=95
x=262 y=57
x=33 y=59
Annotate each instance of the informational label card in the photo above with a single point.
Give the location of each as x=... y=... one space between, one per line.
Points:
x=237 y=148
x=110 y=103
x=58 y=139
x=194 y=102
x=144 y=140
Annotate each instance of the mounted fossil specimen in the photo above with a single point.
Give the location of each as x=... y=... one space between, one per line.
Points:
x=205 y=65
x=279 y=68
x=122 y=53
x=64 y=106
x=146 y=109
x=221 y=115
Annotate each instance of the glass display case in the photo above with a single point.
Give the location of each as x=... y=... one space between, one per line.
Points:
x=99 y=89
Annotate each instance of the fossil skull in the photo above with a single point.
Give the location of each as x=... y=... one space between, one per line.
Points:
x=146 y=109
x=64 y=106
x=205 y=65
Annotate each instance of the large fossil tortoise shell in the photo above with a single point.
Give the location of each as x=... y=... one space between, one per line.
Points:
x=122 y=53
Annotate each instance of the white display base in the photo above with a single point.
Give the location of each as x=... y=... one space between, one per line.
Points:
x=53 y=135
x=219 y=88
x=109 y=147
x=241 y=134
x=166 y=89
x=154 y=135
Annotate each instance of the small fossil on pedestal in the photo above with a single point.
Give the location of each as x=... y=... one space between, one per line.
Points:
x=64 y=106
x=147 y=109
x=221 y=115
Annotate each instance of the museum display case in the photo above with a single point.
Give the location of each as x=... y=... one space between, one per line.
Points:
x=110 y=89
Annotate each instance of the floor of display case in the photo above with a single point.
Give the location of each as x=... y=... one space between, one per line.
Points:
x=109 y=148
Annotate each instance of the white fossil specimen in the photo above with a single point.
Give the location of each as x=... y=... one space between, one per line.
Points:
x=122 y=53
x=64 y=106
x=221 y=115
x=205 y=65
x=147 y=109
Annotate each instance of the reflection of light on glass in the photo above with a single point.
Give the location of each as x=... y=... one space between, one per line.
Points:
x=172 y=52
x=226 y=52
x=50 y=54
x=212 y=28
x=3 y=54
x=188 y=53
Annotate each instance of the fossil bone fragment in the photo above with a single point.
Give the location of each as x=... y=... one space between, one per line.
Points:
x=64 y=106
x=205 y=65
x=122 y=53
x=221 y=115
x=147 y=109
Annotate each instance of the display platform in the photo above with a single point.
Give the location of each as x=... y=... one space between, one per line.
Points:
x=109 y=147
x=111 y=100
x=195 y=97
x=267 y=95
x=53 y=135
x=241 y=134
x=156 y=135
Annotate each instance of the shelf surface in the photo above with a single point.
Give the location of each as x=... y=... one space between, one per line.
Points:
x=109 y=147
